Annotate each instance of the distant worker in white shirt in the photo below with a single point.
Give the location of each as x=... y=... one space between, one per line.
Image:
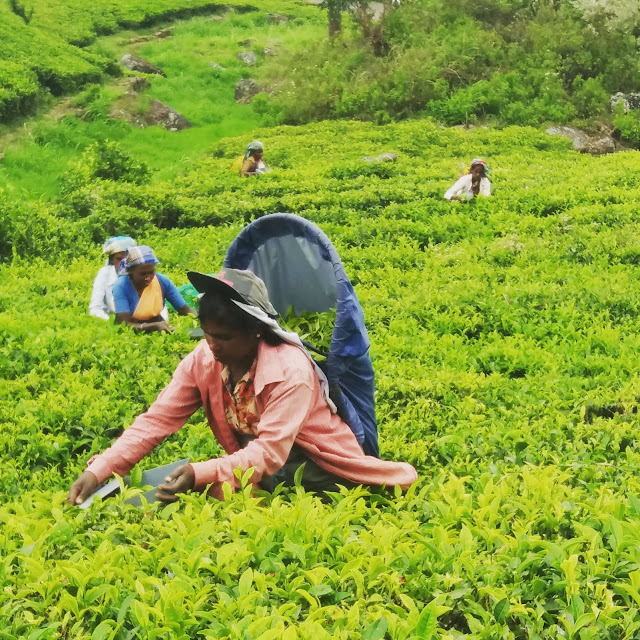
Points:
x=474 y=182
x=102 y=305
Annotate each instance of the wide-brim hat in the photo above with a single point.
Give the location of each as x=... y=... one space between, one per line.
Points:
x=236 y=284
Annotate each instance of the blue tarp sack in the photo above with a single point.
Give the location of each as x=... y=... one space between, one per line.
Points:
x=302 y=269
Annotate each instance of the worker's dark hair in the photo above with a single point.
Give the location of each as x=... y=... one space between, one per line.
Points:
x=216 y=307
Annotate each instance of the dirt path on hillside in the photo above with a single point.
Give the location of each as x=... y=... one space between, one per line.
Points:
x=63 y=107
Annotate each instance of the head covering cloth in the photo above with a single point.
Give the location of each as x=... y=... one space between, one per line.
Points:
x=136 y=256
x=252 y=147
x=481 y=162
x=117 y=244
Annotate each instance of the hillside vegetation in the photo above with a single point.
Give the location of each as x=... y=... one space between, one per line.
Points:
x=458 y=62
x=505 y=340
x=33 y=156
x=464 y=62
x=42 y=43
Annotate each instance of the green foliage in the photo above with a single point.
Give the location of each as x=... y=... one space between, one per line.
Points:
x=459 y=62
x=51 y=42
x=38 y=153
x=505 y=339
x=18 y=89
x=314 y=328
x=589 y=97
x=628 y=124
x=510 y=97
x=104 y=160
x=19 y=9
x=95 y=205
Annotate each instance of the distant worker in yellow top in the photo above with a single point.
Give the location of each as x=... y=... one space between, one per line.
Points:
x=475 y=182
x=253 y=163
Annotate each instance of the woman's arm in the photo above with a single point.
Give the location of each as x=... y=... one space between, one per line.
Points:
x=179 y=400
x=485 y=187
x=147 y=327
x=98 y=296
x=453 y=193
x=281 y=420
x=248 y=167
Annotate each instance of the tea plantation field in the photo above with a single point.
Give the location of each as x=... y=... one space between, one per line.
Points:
x=506 y=342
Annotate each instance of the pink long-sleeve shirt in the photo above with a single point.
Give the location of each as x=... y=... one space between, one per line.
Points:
x=292 y=410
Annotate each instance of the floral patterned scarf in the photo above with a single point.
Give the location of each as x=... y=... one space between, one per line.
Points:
x=240 y=402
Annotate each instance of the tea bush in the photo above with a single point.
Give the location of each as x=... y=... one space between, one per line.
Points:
x=31 y=53
x=505 y=339
x=629 y=125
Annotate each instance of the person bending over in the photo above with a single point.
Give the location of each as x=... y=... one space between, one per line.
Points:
x=266 y=402
x=139 y=293
x=102 y=305
x=253 y=163
x=475 y=182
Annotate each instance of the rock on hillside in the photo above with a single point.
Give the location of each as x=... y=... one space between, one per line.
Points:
x=135 y=63
x=248 y=57
x=382 y=157
x=134 y=84
x=159 y=114
x=629 y=100
x=246 y=90
x=585 y=143
x=277 y=18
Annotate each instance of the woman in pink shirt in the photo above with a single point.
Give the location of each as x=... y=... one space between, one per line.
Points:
x=265 y=400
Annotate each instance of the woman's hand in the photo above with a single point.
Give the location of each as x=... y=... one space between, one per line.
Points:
x=187 y=311
x=181 y=480
x=160 y=326
x=82 y=488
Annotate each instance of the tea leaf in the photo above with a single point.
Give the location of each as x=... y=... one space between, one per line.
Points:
x=104 y=630
x=245 y=583
x=376 y=630
x=501 y=610
x=427 y=623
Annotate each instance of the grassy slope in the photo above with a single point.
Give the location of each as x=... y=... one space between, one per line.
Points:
x=505 y=340
x=38 y=152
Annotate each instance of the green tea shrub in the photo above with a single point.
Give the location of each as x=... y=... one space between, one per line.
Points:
x=105 y=160
x=7 y=215
x=628 y=124
x=382 y=170
x=28 y=54
x=505 y=337
x=19 y=90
